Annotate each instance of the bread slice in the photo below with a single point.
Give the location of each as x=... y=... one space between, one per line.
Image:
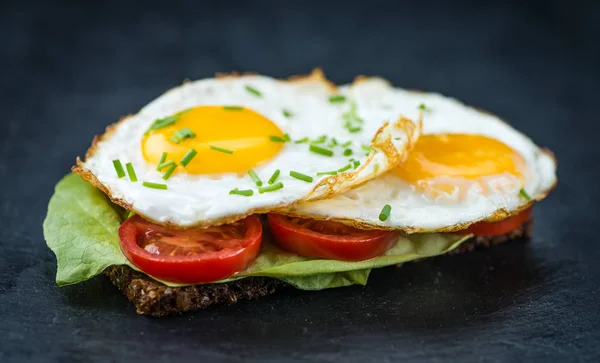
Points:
x=156 y=299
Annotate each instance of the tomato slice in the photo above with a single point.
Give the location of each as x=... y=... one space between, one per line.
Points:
x=501 y=227
x=193 y=255
x=326 y=239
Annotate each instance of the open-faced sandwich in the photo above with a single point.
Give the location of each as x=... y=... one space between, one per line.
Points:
x=234 y=187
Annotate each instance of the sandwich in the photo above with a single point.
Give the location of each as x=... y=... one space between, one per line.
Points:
x=238 y=186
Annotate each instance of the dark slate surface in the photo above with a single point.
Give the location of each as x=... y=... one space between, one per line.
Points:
x=68 y=70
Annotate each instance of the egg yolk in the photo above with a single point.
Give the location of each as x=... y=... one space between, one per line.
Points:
x=460 y=155
x=227 y=140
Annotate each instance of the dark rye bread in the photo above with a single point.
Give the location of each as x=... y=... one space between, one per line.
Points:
x=156 y=299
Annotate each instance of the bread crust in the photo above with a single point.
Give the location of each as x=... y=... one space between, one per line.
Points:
x=153 y=298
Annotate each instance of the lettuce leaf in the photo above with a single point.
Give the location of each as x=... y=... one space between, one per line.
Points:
x=82 y=224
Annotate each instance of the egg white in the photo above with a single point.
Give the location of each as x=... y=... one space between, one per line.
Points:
x=204 y=200
x=414 y=210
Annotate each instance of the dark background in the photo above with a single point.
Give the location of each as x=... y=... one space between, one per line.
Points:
x=69 y=69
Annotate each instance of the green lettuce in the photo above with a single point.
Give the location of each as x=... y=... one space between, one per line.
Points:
x=82 y=224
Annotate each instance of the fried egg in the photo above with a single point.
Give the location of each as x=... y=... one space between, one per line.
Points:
x=215 y=150
x=468 y=166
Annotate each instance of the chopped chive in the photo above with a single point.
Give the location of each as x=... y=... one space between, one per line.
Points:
x=376 y=168
x=287 y=113
x=424 y=107
x=524 y=193
x=255 y=178
x=233 y=108
x=332 y=143
x=163 y=122
x=385 y=213
x=346 y=144
x=341 y=170
x=337 y=99
x=367 y=148
x=302 y=140
x=175 y=139
x=354 y=130
x=187 y=158
x=245 y=193
x=397 y=138
x=320 y=150
x=276 y=139
x=119 y=168
x=270 y=188
x=274 y=177
x=287 y=137
x=327 y=173
x=319 y=140
x=165 y=164
x=355 y=163
x=254 y=91
x=163 y=158
x=154 y=185
x=347 y=152
x=300 y=176
x=184 y=133
x=170 y=171
x=131 y=172
x=216 y=148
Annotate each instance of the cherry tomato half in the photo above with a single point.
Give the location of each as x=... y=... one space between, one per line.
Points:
x=312 y=238
x=194 y=255
x=501 y=227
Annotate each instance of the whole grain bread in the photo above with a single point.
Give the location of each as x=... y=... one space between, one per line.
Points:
x=156 y=299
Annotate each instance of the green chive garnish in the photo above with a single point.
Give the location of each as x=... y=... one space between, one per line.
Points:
x=332 y=143
x=385 y=213
x=319 y=140
x=119 y=168
x=327 y=173
x=255 y=178
x=346 y=144
x=524 y=193
x=165 y=165
x=302 y=140
x=276 y=139
x=154 y=185
x=287 y=113
x=320 y=150
x=163 y=158
x=254 y=91
x=347 y=152
x=355 y=163
x=216 y=148
x=337 y=99
x=163 y=122
x=175 y=139
x=376 y=168
x=424 y=107
x=274 y=176
x=270 y=188
x=397 y=138
x=184 y=133
x=300 y=176
x=188 y=157
x=354 y=130
x=170 y=171
x=287 y=138
x=341 y=170
x=368 y=149
x=131 y=172
x=233 y=108
x=245 y=193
